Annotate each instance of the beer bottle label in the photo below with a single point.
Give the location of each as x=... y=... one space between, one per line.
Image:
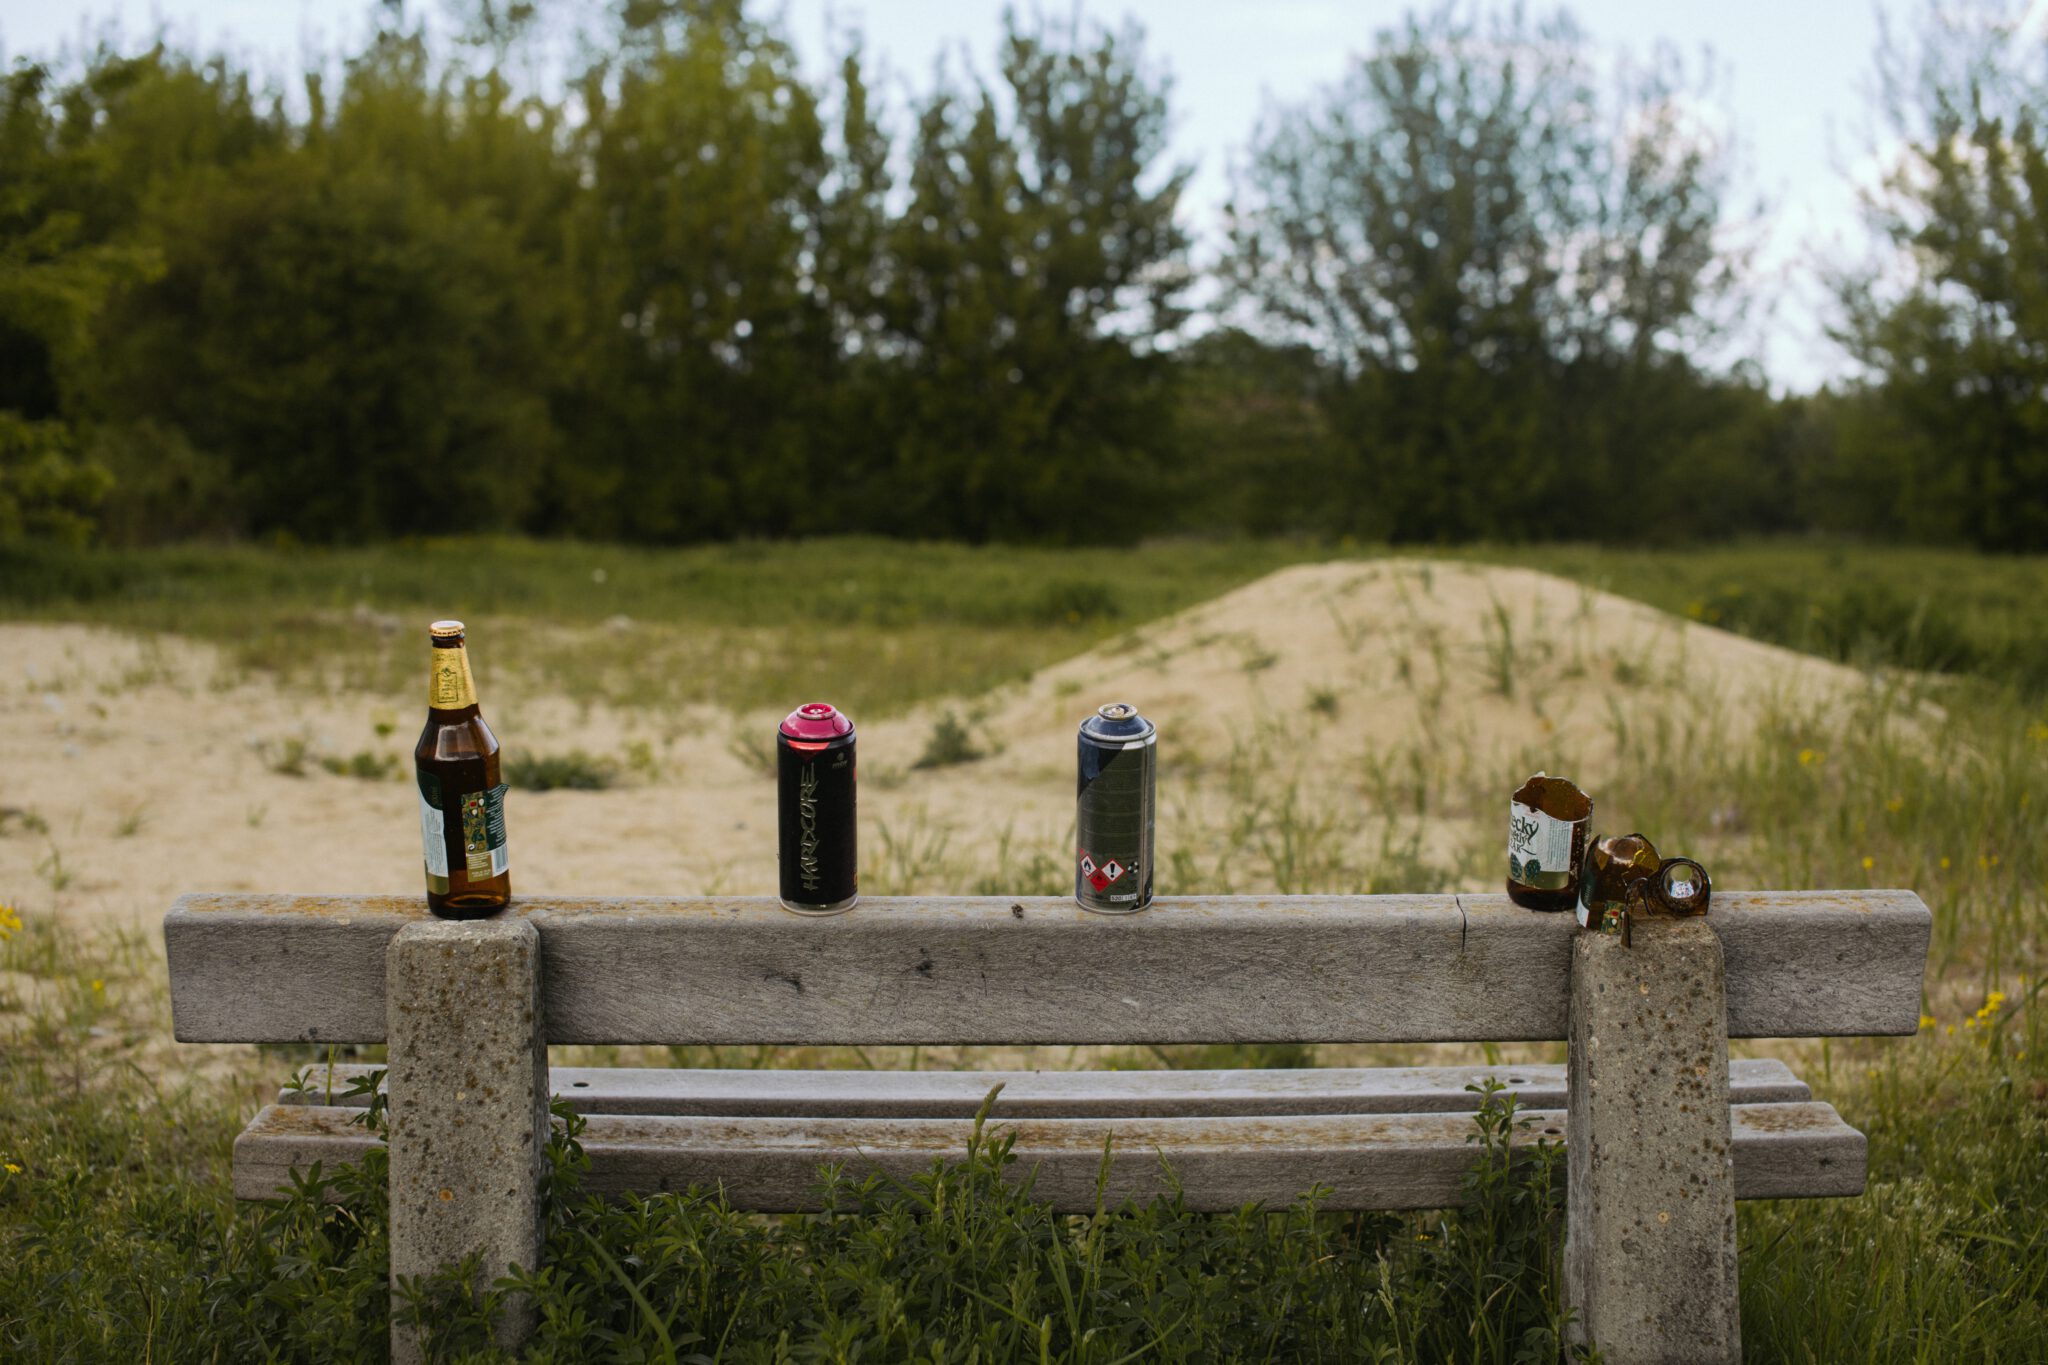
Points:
x=483 y=833
x=433 y=831
x=1539 y=848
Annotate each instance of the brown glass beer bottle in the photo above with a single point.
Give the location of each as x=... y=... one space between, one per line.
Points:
x=462 y=798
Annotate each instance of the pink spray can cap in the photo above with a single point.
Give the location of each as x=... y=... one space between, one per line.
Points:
x=816 y=720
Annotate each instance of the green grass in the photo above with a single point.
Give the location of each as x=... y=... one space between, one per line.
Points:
x=881 y=625
x=1918 y=608
x=876 y=625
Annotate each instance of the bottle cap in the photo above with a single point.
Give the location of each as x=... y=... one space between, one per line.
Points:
x=445 y=630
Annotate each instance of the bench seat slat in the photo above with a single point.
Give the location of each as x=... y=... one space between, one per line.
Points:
x=1312 y=969
x=1389 y=1161
x=1057 y=1094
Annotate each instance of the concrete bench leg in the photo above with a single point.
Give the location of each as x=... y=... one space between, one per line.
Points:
x=468 y=1086
x=1650 y=1208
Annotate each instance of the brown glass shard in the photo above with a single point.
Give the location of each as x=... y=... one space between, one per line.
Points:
x=1557 y=797
x=1549 y=822
x=1612 y=864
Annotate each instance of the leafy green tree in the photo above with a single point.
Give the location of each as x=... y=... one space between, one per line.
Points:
x=707 y=346
x=61 y=258
x=1952 y=321
x=46 y=491
x=1507 y=265
x=1030 y=276
x=1253 y=447
x=351 y=336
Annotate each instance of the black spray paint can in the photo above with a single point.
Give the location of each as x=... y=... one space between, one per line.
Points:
x=814 y=772
x=1114 y=810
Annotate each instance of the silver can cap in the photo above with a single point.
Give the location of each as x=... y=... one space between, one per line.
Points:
x=1117 y=722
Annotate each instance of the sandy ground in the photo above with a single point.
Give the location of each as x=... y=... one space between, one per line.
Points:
x=151 y=768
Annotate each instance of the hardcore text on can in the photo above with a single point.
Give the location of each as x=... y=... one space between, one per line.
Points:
x=1115 y=810
x=816 y=828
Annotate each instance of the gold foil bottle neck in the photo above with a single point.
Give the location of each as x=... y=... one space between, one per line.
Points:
x=449 y=685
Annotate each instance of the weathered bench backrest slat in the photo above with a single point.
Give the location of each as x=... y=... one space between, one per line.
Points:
x=1057 y=1094
x=268 y=968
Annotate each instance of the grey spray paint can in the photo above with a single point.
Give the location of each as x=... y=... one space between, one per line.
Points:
x=1115 y=810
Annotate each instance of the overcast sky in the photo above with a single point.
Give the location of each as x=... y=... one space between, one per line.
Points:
x=1794 y=78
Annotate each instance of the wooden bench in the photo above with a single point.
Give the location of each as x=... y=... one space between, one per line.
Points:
x=1647 y=1093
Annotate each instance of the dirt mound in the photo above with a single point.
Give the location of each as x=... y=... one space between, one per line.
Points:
x=1352 y=693
x=1489 y=658
x=135 y=769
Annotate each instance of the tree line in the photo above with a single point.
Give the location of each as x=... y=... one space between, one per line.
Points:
x=1485 y=286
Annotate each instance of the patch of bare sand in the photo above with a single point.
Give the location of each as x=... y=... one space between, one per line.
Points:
x=155 y=771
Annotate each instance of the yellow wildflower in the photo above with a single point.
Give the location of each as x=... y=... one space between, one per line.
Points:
x=1926 y=1021
x=1994 y=1000
x=2038 y=732
x=1869 y=863
x=1950 y=1031
x=10 y=1168
x=1896 y=804
x=99 y=987
x=1809 y=757
x=1944 y=864
x=10 y=922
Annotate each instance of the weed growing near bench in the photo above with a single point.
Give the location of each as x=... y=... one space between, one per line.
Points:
x=963 y=1264
x=1945 y=1257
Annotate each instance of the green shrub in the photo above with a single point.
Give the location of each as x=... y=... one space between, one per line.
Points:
x=363 y=764
x=286 y=757
x=573 y=771
x=950 y=743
